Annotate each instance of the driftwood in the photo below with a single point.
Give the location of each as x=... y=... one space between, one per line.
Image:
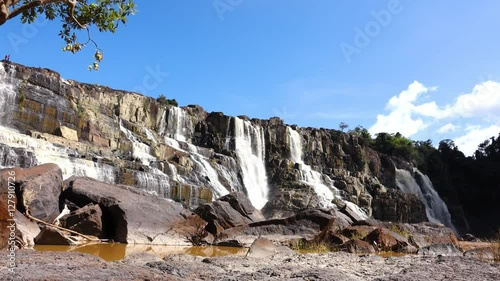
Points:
x=62 y=228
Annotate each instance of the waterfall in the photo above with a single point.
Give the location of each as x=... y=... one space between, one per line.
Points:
x=45 y=152
x=178 y=130
x=435 y=208
x=178 y=124
x=326 y=192
x=307 y=174
x=154 y=182
x=249 y=142
x=8 y=94
x=140 y=150
x=150 y=135
x=206 y=169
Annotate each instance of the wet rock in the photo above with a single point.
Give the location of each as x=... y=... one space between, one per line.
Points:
x=353 y=212
x=86 y=220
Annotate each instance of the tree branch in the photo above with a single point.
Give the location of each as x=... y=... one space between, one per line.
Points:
x=16 y=12
x=71 y=7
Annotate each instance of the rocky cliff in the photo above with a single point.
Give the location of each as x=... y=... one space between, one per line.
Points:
x=192 y=156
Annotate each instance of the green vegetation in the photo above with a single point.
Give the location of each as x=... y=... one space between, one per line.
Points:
x=343 y=126
x=303 y=246
x=468 y=185
x=396 y=229
x=164 y=101
x=75 y=16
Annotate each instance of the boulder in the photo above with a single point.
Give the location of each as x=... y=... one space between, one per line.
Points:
x=353 y=212
x=26 y=230
x=334 y=239
x=357 y=246
x=329 y=234
x=86 y=220
x=240 y=202
x=37 y=189
x=425 y=234
x=481 y=253
x=357 y=231
x=231 y=210
x=439 y=249
x=307 y=224
x=385 y=240
x=263 y=248
x=53 y=236
x=67 y=133
x=130 y=215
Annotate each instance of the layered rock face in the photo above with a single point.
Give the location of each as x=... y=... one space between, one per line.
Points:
x=189 y=155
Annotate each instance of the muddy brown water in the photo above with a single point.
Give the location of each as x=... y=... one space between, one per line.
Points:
x=117 y=251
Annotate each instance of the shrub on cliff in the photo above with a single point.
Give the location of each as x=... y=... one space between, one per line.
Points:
x=164 y=101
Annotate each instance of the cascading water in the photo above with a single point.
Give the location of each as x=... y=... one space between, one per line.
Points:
x=178 y=125
x=249 y=143
x=206 y=169
x=140 y=150
x=326 y=192
x=46 y=152
x=7 y=96
x=309 y=176
x=435 y=208
x=177 y=129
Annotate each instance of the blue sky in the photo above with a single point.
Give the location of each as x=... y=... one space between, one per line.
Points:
x=429 y=69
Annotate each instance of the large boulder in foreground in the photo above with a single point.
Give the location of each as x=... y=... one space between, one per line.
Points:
x=231 y=210
x=37 y=189
x=307 y=224
x=384 y=239
x=53 y=236
x=130 y=215
x=263 y=248
x=86 y=220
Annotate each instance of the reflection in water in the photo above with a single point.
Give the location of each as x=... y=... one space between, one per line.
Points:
x=117 y=251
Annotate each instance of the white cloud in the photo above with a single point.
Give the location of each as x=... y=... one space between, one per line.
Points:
x=401 y=108
x=408 y=117
x=447 y=128
x=483 y=101
x=469 y=142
